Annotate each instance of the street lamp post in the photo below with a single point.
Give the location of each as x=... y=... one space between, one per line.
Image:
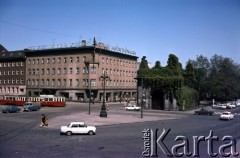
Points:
x=88 y=63
x=103 y=112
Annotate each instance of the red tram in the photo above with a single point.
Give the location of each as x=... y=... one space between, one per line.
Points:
x=45 y=100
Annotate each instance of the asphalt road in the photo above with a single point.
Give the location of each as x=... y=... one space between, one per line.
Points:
x=21 y=137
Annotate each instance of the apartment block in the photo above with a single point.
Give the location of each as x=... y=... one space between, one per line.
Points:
x=12 y=72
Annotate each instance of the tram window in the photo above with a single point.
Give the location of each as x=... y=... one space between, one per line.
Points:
x=50 y=99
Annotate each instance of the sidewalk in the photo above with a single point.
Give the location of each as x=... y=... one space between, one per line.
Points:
x=112 y=119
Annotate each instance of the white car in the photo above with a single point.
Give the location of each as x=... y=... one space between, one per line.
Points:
x=230 y=105
x=222 y=106
x=133 y=107
x=226 y=116
x=78 y=128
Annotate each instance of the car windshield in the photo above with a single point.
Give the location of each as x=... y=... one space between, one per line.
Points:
x=225 y=113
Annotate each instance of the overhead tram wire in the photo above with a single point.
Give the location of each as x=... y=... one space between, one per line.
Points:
x=36 y=29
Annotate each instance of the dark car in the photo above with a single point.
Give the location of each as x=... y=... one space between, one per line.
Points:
x=204 y=112
x=11 y=109
x=30 y=107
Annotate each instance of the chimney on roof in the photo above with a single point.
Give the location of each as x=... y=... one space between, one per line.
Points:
x=83 y=43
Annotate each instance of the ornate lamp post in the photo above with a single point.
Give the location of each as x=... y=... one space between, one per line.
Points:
x=103 y=112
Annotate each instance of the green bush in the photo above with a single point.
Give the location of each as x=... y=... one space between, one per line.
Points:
x=187 y=98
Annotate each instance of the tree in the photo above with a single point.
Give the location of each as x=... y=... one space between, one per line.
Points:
x=202 y=66
x=225 y=78
x=189 y=76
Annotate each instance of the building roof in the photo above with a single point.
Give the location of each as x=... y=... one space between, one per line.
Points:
x=3 y=49
x=6 y=55
x=76 y=50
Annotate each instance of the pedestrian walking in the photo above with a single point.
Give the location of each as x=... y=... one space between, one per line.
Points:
x=43 y=120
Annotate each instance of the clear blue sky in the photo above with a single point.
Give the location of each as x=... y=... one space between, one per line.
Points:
x=152 y=28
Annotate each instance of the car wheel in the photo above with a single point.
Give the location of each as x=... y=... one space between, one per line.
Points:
x=90 y=133
x=69 y=133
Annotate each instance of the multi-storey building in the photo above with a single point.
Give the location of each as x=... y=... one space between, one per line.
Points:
x=12 y=72
x=76 y=73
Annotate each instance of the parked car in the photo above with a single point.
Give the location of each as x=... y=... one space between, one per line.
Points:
x=203 y=111
x=132 y=107
x=230 y=105
x=78 y=128
x=11 y=109
x=226 y=116
x=222 y=106
x=28 y=106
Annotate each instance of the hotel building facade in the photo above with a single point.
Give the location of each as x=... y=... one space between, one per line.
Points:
x=77 y=73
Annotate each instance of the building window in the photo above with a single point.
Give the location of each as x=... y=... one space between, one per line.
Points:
x=42 y=61
x=37 y=82
x=21 y=72
x=28 y=82
x=64 y=71
x=37 y=71
x=37 y=61
x=71 y=60
x=64 y=82
x=70 y=70
x=59 y=60
x=33 y=71
x=42 y=72
x=33 y=61
x=29 y=62
x=59 y=71
x=84 y=58
x=77 y=70
x=59 y=82
x=53 y=82
x=85 y=82
x=77 y=82
x=33 y=82
x=47 y=82
x=53 y=71
x=93 y=82
x=85 y=70
x=21 y=81
x=48 y=60
x=48 y=71
x=93 y=69
x=70 y=82
x=29 y=72
x=77 y=60
x=65 y=60
x=53 y=60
